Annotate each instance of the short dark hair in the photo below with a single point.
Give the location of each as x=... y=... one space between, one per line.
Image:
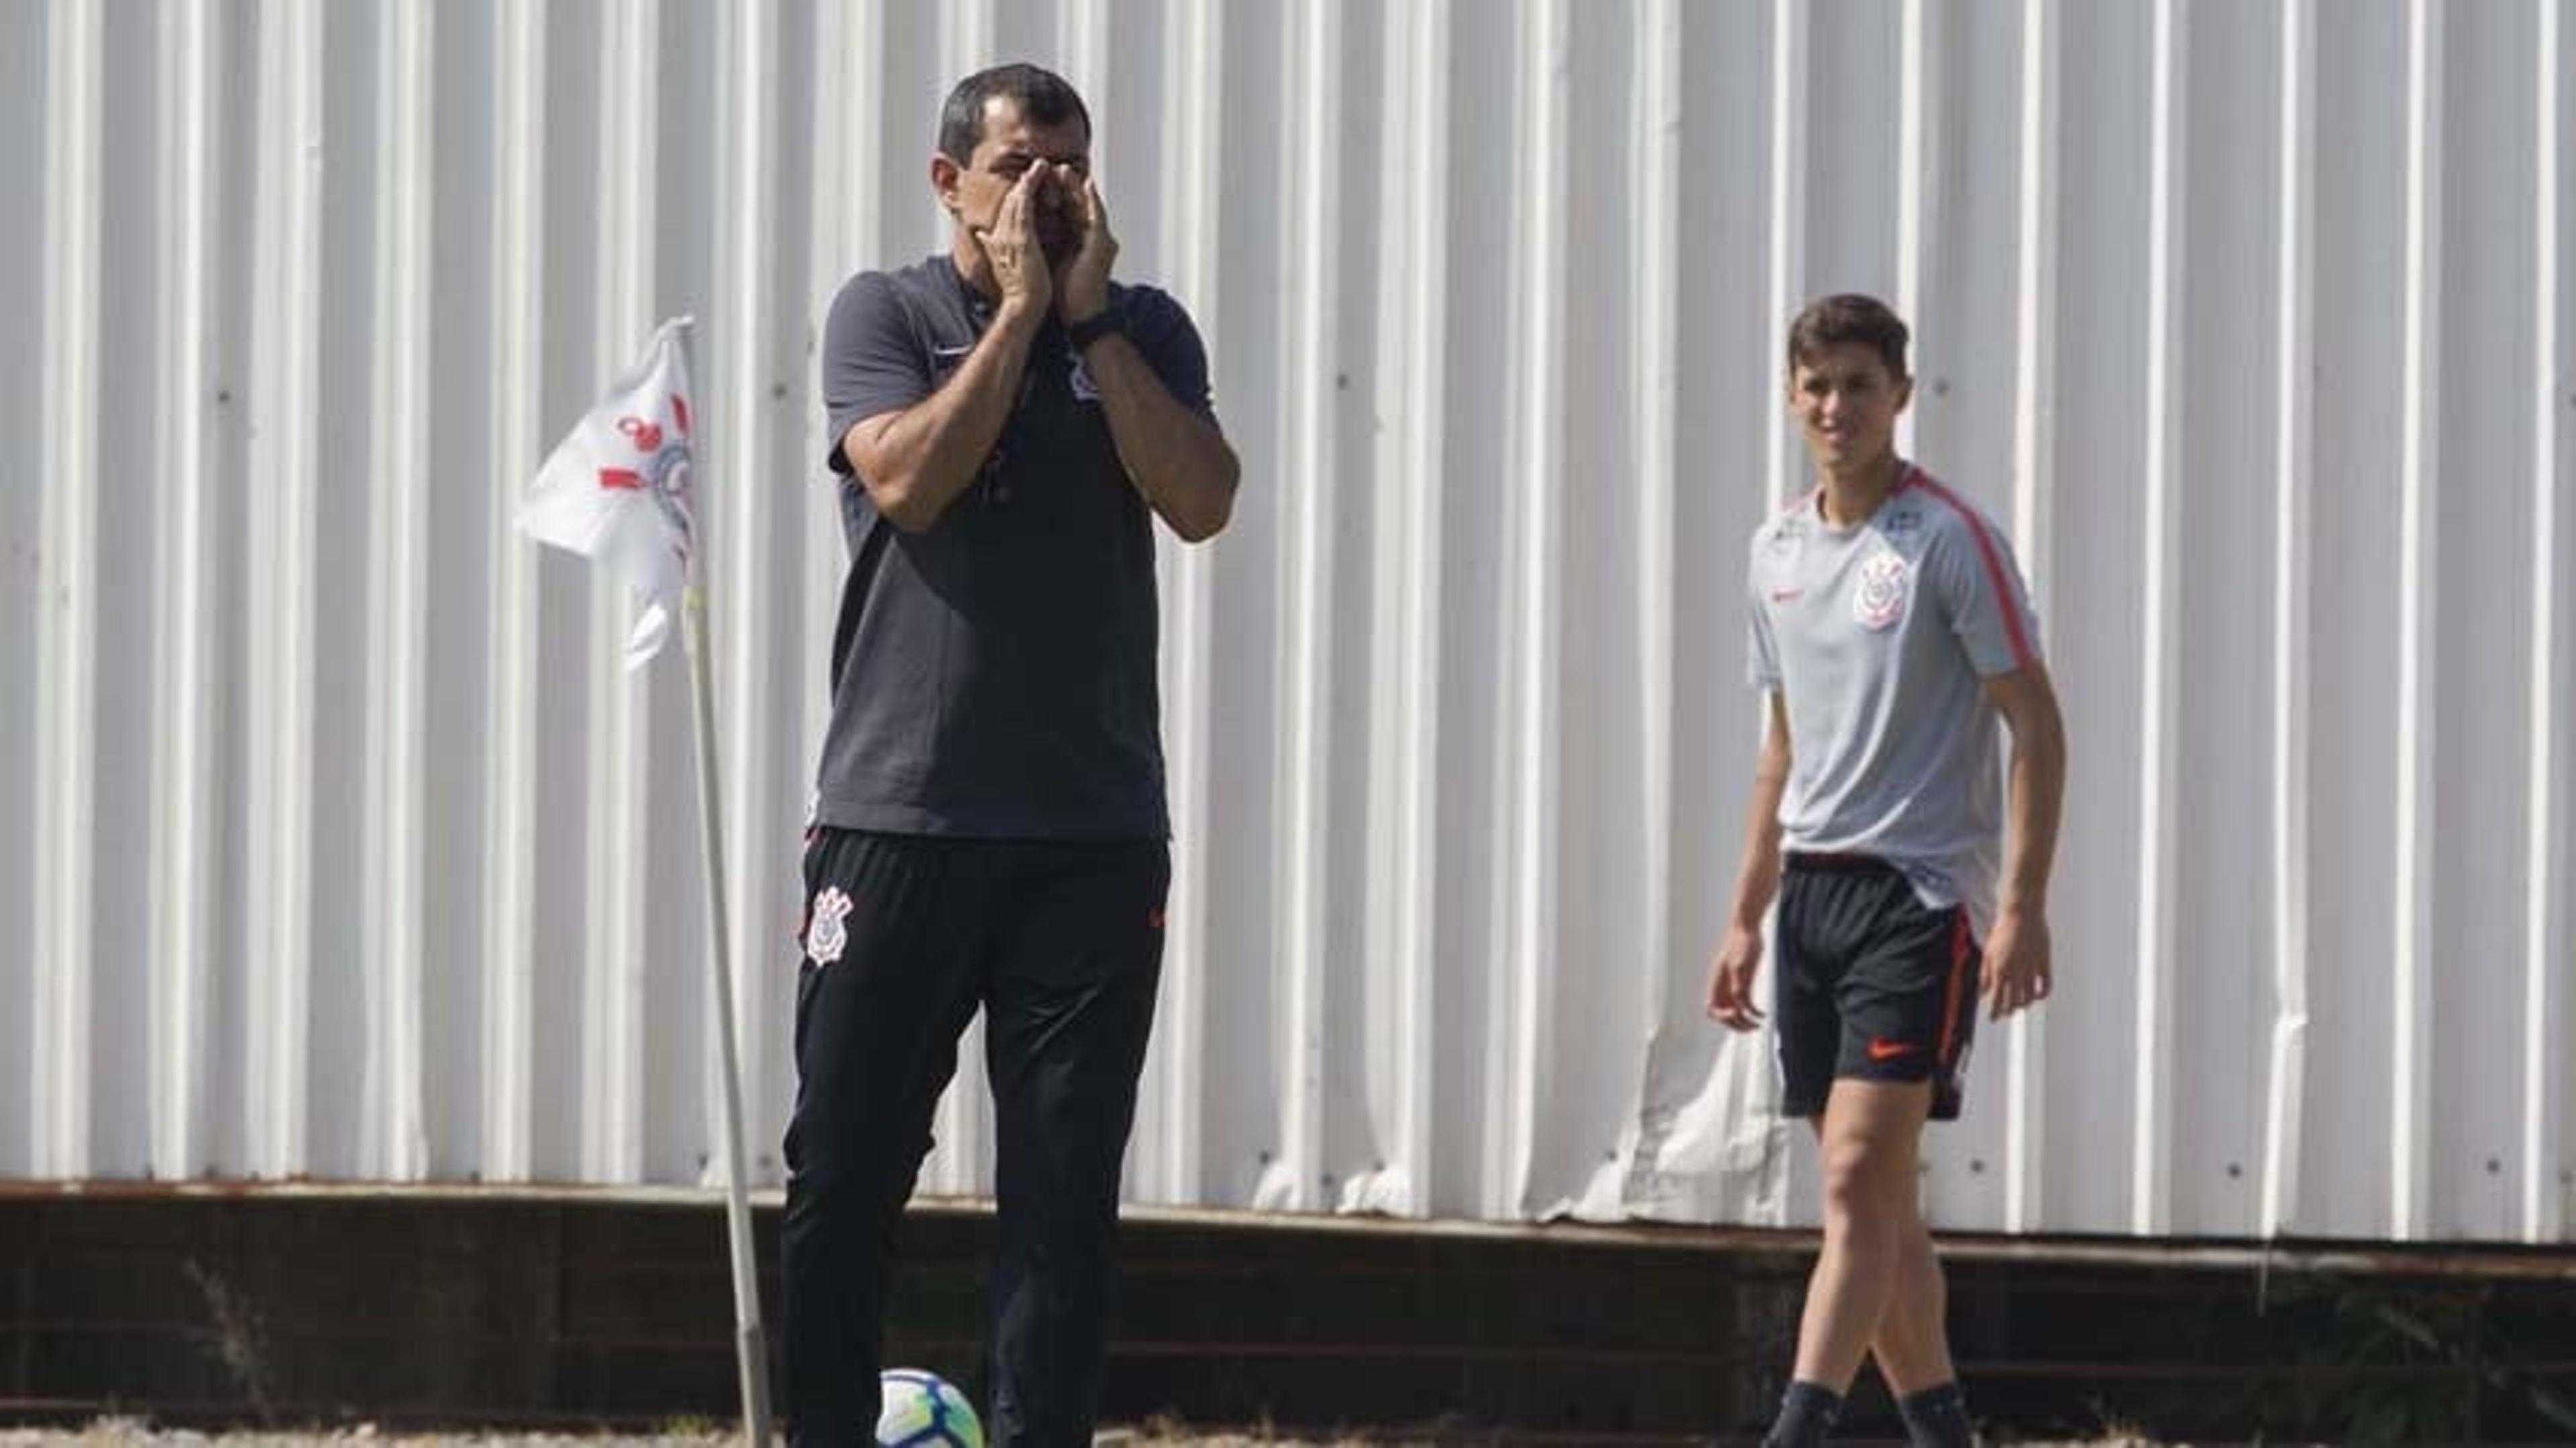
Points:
x=1044 y=98
x=1850 y=317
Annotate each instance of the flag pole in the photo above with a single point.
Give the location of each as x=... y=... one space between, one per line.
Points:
x=750 y=1348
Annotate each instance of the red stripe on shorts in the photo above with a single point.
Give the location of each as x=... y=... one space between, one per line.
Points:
x=1959 y=949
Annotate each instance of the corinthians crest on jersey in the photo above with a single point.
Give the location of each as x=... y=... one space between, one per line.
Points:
x=1879 y=601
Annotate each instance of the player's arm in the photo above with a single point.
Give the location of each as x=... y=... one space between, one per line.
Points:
x=1178 y=460
x=915 y=461
x=2018 y=966
x=1757 y=880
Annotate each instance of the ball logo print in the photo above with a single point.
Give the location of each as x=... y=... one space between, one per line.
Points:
x=617 y=489
x=923 y=1410
x=662 y=468
x=1880 y=600
x=646 y=436
x=825 y=935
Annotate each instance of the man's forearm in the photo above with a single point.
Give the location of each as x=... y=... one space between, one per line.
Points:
x=917 y=464
x=1758 y=880
x=2038 y=790
x=1180 y=463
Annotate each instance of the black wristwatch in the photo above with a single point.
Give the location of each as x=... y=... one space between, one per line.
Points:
x=1109 y=319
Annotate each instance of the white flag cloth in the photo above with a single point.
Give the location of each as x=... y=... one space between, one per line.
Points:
x=616 y=489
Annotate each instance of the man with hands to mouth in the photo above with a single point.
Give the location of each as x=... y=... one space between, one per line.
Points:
x=1033 y=242
x=1005 y=424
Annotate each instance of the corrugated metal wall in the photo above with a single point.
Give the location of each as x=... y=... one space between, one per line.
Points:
x=341 y=847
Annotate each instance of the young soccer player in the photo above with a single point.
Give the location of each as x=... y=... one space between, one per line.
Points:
x=1891 y=630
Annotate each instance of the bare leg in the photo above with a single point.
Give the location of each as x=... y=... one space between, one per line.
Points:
x=1869 y=1140
x=1912 y=1344
x=1912 y=1340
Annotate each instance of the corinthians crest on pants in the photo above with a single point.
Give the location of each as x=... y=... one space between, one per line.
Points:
x=826 y=934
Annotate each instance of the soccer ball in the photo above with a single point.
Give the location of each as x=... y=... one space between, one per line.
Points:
x=923 y=1410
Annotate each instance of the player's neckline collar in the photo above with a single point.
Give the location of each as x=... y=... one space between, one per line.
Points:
x=1906 y=476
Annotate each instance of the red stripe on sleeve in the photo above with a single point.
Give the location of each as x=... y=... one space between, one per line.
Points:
x=2023 y=655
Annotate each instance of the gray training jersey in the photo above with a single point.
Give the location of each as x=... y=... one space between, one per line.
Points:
x=1878 y=636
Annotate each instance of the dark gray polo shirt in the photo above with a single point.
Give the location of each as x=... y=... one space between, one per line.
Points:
x=994 y=675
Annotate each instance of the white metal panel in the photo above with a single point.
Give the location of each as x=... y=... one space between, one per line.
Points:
x=60 y=1007
x=616 y=943
x=349 y=850
x=507 y=824
x=2544 y=1177
x=1408 y=409
x=1653 y=422
x=185 y=732
x=278 y=825
x=394 y=1134
x=24 y=88
x=2412 y=998
x=2293 y=527
x=1528 y=751
x=1169 y=1151
x=2090 y=432
x=458 y=204
x=1706 y=1146
x=2029 y=290
x=2484 y=639
x=2217 y=1034
x=1304 y=771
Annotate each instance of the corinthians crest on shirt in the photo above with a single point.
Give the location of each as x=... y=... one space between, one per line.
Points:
x=1880 y=599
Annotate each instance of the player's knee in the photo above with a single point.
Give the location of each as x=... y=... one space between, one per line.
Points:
x=1859 y=1185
